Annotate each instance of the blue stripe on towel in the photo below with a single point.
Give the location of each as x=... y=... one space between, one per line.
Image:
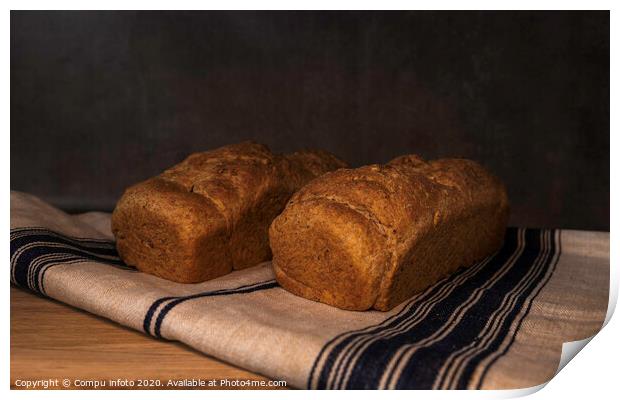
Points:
x=409 y=349
x=175 y=301
x=557 y=248
x=34 y=250
x=332 y=373
x=416 y=374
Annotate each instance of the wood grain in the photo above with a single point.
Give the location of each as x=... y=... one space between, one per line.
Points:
x=50 y=340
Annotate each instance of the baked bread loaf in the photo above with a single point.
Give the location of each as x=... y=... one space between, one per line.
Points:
x=210 y=214
x=372 y=237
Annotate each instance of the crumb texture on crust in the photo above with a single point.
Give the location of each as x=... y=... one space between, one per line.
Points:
x=210 y=214
x=371 y=237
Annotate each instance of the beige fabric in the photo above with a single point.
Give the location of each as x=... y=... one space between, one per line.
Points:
x=571 y=307
x=275 y=333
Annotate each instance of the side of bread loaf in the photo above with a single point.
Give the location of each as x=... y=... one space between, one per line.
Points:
x=210 y=214
x=372 y=237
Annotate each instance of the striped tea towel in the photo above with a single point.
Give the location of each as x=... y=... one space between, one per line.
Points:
x=498 y=324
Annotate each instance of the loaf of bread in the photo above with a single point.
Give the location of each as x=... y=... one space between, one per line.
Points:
x=374 y=236
x=211 y=213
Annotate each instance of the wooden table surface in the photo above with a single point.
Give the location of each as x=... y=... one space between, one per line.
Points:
x=50 y=340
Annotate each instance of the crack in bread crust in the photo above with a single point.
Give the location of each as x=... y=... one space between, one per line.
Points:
x=358 y=208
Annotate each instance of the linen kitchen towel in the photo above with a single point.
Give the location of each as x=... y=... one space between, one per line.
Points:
x=499 y=324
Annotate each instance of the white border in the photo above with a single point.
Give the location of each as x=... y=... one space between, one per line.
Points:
x=594 y=373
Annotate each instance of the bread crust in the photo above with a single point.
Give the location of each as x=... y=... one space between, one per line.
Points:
x=372 y=237
x=210 y=214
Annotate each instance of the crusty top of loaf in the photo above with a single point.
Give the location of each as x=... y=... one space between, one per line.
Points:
x=407 y=197
x=228 y=177
x=234 y=177
x=372 y=189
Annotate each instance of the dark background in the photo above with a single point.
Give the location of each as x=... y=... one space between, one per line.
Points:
x=101 y=100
